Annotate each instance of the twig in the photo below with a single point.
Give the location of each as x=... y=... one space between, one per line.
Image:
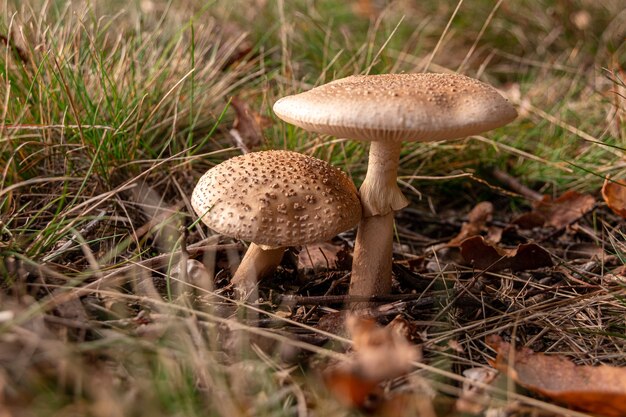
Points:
x=336 y=299
x=88 y=227
x=516 y=186
x=239 y=142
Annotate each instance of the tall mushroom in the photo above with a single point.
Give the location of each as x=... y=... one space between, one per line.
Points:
x=386 y=110
x=274 y=199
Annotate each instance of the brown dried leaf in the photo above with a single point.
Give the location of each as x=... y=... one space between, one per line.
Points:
x=530 y=220
x=349 y=388
x=370 y=9
x=476 y=221
x=334 y=323
x=483 y=255
x=406 y=404
x=585 y=251
x=324 y=255
x=597 y=389
x=247 y=128
x=557 y=213
x=614 y=194
x=380 y=353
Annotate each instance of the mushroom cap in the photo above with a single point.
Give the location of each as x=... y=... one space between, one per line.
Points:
x=277 y=198
x=397 y=107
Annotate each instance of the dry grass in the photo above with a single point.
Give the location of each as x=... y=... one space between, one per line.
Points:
x=111 y=112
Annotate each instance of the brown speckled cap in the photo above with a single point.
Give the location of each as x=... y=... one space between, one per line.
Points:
x=398 y=107
x=277 y=198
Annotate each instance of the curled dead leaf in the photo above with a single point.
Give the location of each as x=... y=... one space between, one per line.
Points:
x=477 y=218
x=482 y=255
x=325 y=255
x=248 y=126
x=614 y=194
x=557 y=213
x=380 y=353
x=596 y=389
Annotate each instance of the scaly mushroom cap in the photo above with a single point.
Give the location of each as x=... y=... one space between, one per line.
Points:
x=277 y=198
x=398 y=107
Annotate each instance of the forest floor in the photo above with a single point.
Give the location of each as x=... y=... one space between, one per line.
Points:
x=508 y=262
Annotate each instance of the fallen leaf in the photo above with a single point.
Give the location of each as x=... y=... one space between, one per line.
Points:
x=557 y=213
x=247 y=128
x=367 y=8
x=530 y=220
x=324 y=255
x=596 y=389
x=618 y=275
x=70 y=308
x=379 y=354
x=334 y=323
x=476 y=221
x=348 y=387
x=405 y=404
x=585 y=251
x=482 y=255
x=614 y=194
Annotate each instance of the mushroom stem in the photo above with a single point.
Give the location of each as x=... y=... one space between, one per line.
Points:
x=371 y=264
x=379 y=192
x=256 y=263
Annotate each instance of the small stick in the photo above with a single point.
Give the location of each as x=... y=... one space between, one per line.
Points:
x=88 y=227
x=516 y=186
x=335 y=299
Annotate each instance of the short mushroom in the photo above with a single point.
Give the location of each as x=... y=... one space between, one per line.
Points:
x=386 y=110
x=274 y=199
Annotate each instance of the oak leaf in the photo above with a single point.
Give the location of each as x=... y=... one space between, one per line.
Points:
x=380 y=354
x=325 y=255
x=477 y=218
x=596 y=389
x=557 y=213
x=614 y=194
x=483 y=255
x=248 y=126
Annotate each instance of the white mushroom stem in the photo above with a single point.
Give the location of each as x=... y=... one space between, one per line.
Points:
x=256 y=263
x=379 y=192
x=371 y=264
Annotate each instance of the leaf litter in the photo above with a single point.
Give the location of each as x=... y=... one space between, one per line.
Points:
x=379 y=354
x=559 y=212
x=614 y=194
x=377 y=376
x=596 y=389
x=247 y=129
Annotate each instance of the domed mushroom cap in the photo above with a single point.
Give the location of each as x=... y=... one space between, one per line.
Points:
x=277 y=198
x=397 y=107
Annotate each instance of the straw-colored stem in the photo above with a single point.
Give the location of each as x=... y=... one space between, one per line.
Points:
x=379 y=192
x=371 y=265
x=256 y=264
